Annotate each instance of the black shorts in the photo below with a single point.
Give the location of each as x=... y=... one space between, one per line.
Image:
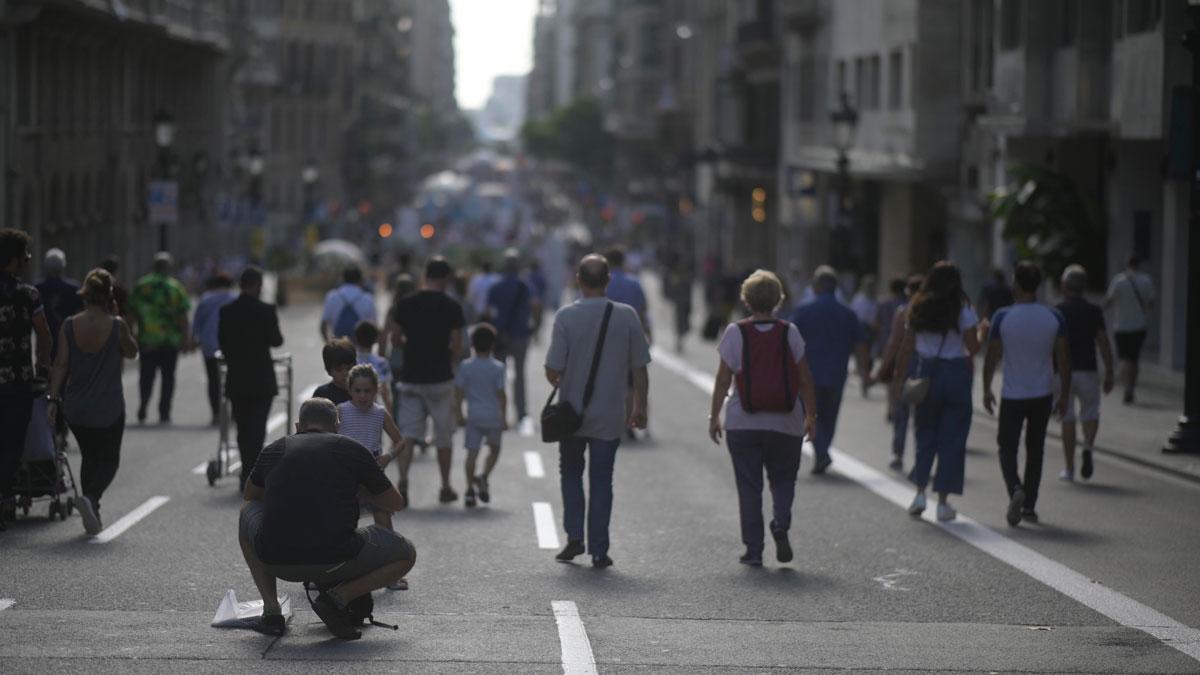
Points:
x=1129 y=345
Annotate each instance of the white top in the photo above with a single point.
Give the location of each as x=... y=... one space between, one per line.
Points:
x=864 y=308
x=1027 y=331
x=949 y=345
x=1131 y=315
x=364 y=426
x=477 y=292
x=736 y=417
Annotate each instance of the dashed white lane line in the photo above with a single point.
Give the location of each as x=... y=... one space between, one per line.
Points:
x=533 y=464
x=575 y=647
x=5 y=603
x=129 y=520
x=543 y=520
x=1116 y=606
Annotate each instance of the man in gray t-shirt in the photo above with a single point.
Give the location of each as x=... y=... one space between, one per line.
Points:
x=568 y=363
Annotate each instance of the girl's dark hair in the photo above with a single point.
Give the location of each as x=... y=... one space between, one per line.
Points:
x=936 y=307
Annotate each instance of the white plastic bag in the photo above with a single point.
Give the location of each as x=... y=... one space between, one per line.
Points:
x=234 y=614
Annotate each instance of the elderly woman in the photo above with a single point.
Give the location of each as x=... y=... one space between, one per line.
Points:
x=764 y=425
x=90 y=346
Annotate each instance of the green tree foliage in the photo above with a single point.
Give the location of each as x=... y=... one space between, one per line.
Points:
x=575 y=135
x=1049 y=220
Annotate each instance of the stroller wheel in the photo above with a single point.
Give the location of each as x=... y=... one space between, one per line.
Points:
x=55 y=508
x=213 y=472
x=70 y=508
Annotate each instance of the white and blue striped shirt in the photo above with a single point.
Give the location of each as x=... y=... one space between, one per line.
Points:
x=364 y=426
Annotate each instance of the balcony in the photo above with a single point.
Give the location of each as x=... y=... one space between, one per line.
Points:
x=758 y=45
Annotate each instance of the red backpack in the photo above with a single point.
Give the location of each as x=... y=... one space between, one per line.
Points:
x=770 y=378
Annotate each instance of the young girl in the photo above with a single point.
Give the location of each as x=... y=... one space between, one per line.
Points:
x=365 y=421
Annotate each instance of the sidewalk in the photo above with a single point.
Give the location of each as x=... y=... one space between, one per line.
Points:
x=1135 y=433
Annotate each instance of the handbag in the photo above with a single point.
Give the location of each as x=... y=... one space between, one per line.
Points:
x=560 y=420
x=915 y=389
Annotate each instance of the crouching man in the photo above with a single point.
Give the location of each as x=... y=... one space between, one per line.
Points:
x=299 y=521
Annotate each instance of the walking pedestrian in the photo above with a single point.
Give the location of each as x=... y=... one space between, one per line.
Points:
x=899 y=411
x=1131 y=297
x=366 y=334
x=391 y=342
x=299 y=518
x=338 y=357
x=60 y=295
x=594 y=328
x=480 y=382
x=942 y=332
x=626 y=289
x=431 y=324
x=21 y=314
x=764 y=425
x=480 y=285
x=160 y=306
x=218 y=293
x=346 y=305
x=995 y=295
x=679 y=293
x=120 y=295
x=885 y=315
x=1086 y=335
x=1031 y=338
x=91 y=344
x=832 y=333
x=247 y=330
x=512 y=304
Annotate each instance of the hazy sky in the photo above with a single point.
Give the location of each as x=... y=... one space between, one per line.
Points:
x=491 y=37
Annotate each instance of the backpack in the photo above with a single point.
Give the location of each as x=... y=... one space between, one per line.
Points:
x=347 y=319
x=770 y=379
x=360 y=610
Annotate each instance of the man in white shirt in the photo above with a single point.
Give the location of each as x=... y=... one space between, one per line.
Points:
x=1131 y=297
x=1031 y=338
x=346 y=305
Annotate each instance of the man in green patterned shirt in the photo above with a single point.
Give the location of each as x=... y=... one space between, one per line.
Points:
x=160 y=306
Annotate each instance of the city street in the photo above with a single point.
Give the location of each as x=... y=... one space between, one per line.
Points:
x=1106 y=583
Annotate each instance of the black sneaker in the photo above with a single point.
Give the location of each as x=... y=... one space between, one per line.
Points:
x=1029 y=515
x=273 y=625
x=572 y=549
x=821 y=465
x=896 y=464
x=447 y=495
x=484 y=495
x=783 y=547
x=469 y=499
x=1015 y=504
x=337 y=620
x=602 y=562
x=1088 y=467
x=751 y=559
x=141 y=416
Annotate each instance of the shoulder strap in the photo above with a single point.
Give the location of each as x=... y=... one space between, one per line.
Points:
x=747 y=398
x=1133 y=285
x=591 y=381
x=786 y=350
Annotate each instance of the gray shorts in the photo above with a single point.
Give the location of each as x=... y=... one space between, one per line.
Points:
x=380 y=548
x=1085 y=391
x=418 y=401
x=475 y=436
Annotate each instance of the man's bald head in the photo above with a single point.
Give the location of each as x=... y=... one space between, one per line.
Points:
x=593 y=273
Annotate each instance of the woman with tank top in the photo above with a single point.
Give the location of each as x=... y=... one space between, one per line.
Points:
x=91 y=344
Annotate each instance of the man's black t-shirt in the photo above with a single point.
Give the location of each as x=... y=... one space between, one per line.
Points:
x=427 y=317
x=310 y=508
x=1084 y=321
x=332 y=392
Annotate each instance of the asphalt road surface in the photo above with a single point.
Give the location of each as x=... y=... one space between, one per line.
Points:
x=1106 y=583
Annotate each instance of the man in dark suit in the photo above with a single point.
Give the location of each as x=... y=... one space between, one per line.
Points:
x=246 y=331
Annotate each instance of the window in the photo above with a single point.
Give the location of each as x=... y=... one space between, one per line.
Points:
x=1010 y=24
x=896 y=80
x=1142 y=15
x=806 y=75
x=860 y=82
x=874 y=82
x=843 y=87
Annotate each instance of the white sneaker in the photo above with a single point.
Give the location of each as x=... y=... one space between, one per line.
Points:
x=946 y=513
x=918 y=505
x=91 y=522
x=1066 y=475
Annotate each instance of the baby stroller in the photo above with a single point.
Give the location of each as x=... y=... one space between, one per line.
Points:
x=45 y=471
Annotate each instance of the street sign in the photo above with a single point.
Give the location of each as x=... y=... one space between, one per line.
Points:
x=163 y=202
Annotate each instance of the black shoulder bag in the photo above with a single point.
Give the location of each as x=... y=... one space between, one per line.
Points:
x=560 y=420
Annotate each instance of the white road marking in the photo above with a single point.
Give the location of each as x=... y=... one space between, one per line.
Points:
x=543 y=519
x=1116 y=606
x=5 y=603
x=576 y=649
x=533 y=464
x=201 y=468
x=129 y=520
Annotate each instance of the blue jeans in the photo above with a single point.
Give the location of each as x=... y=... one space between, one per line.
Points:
x=779 y=454
x=943 y=421
x=829 y=402
x=570 y=468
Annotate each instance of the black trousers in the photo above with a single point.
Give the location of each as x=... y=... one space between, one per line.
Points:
x=250 y=414
x=1034 y=415
x=15 y=412
x=153 y=361
x=213 y=371
x=100 y=450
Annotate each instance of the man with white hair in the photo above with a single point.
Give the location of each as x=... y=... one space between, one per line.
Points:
x=1085 y=334
x=60 y=296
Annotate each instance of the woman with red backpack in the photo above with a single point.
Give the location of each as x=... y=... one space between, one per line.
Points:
x=764 y=425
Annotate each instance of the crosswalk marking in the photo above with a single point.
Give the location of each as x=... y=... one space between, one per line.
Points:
x=576 y=649
x=5 y=603
x=543 y=520
x=533 y=464
x=129 y=520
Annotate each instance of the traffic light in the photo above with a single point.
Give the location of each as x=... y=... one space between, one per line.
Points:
x=758 y=208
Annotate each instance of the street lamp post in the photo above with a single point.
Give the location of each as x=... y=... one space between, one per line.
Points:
x=164 y=138
x=1186 y=438
x=845 y=124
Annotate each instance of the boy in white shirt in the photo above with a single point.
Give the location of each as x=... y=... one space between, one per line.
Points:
x=480 y=381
